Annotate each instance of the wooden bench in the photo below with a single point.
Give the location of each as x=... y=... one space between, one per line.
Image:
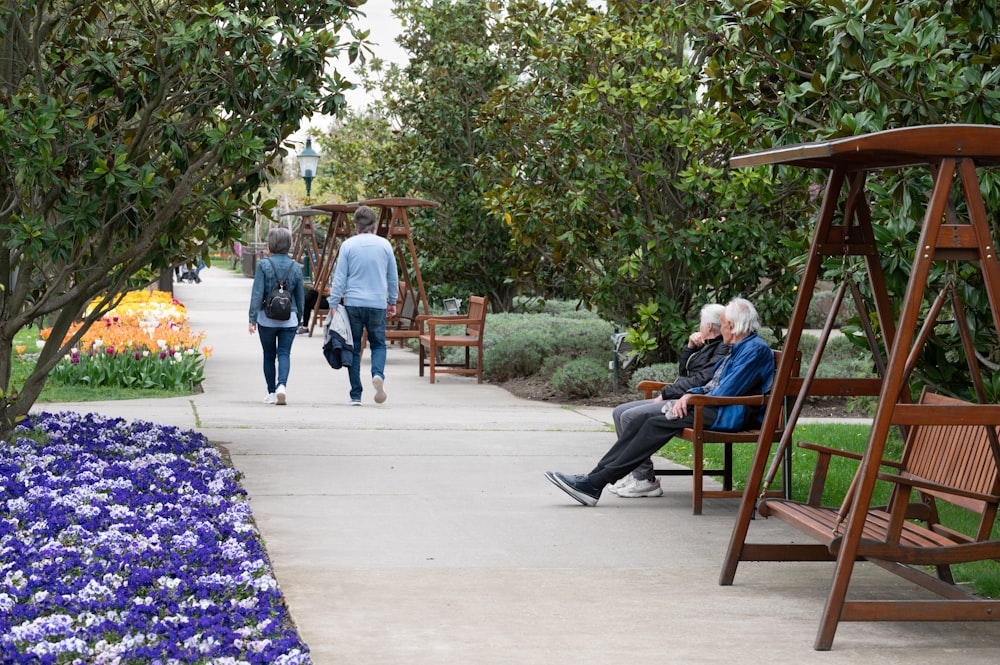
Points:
x=406 y=324
x=699 y=435
x=431 y=342
x=955 y=463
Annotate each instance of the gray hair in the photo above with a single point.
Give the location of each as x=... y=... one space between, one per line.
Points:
x=279 y=240
x=365 y=219
x=711 y=314
x=742 y=314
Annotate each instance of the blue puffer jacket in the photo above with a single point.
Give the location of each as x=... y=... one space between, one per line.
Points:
x=748 y=370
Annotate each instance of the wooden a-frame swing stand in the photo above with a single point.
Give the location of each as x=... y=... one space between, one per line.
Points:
x=951 y=235
x=394 y=226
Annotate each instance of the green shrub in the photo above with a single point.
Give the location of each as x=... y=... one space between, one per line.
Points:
x=516 y=345
x=583 y=377
x=808 y=345
x=770 y=337
x=662 y=372
x=552 y=333
x=551 y=364
x=516 y=355
x=819 y=308
x=567 y=308
x=843 y=359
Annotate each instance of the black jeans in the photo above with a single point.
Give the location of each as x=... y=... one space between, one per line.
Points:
x=312 y=296
x=640 y=440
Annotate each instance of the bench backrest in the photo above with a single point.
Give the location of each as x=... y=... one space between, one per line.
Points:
x=957 y=456
x=406 y=311
x=477 y=316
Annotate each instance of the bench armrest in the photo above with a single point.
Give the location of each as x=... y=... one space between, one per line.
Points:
x=457 y=320
x=921 y=484
x=825 y=450
x=650 y=387
x=718 y=400
x=825 y=454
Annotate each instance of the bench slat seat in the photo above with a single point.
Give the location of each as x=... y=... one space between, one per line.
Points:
x=819 y=522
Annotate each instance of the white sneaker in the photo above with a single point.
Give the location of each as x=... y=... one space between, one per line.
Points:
x=639 y=488
x=355 y=402
x=271 y=398
x=377 y=382
x=280 y=395
x=622 y=482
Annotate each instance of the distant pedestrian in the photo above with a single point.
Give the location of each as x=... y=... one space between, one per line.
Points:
x=276 y=336
x=366 y=278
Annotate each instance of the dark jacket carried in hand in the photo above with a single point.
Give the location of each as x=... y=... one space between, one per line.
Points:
x=696 y=367
x=338 y=343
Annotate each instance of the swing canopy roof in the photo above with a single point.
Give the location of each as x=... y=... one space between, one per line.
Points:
x=891 y=148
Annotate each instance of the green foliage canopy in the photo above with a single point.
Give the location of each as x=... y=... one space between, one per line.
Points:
x=133 y=132
x=598 y=137
x=455 y=59
x=805 y=70
x=613 y=171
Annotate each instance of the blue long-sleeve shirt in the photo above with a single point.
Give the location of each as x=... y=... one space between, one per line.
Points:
x=750 y=367
x=366 y=273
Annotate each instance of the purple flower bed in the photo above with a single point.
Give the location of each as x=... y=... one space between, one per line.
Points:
x=131 y=543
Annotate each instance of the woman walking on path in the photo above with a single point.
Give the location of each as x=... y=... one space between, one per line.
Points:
x=276 y=336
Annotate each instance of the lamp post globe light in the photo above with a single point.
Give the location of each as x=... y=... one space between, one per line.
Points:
x=308 y=161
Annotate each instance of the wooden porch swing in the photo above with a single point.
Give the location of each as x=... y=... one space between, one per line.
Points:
x=951 y=452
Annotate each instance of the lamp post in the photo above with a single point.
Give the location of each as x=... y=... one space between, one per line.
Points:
x=308 y=161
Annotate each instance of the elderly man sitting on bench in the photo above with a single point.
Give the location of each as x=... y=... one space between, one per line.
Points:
x=749 y=368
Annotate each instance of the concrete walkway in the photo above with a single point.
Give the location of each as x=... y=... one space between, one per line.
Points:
x=422 y=532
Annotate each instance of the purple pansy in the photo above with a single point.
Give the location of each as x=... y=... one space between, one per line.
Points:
x=131 y=543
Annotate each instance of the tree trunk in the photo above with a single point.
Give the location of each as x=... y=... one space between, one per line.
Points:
x=166 y=282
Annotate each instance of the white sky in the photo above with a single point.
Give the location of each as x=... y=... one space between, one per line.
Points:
x=384 y=28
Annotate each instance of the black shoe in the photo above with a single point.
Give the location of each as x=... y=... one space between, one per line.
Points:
x=577 y=487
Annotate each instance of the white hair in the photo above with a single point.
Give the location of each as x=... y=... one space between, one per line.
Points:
x=711 y=314
x=742 y=314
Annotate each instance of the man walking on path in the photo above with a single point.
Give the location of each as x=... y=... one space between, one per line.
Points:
x=367 y=280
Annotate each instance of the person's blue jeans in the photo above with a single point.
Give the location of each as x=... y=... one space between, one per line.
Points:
x=371 y=319
x=277 y=345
